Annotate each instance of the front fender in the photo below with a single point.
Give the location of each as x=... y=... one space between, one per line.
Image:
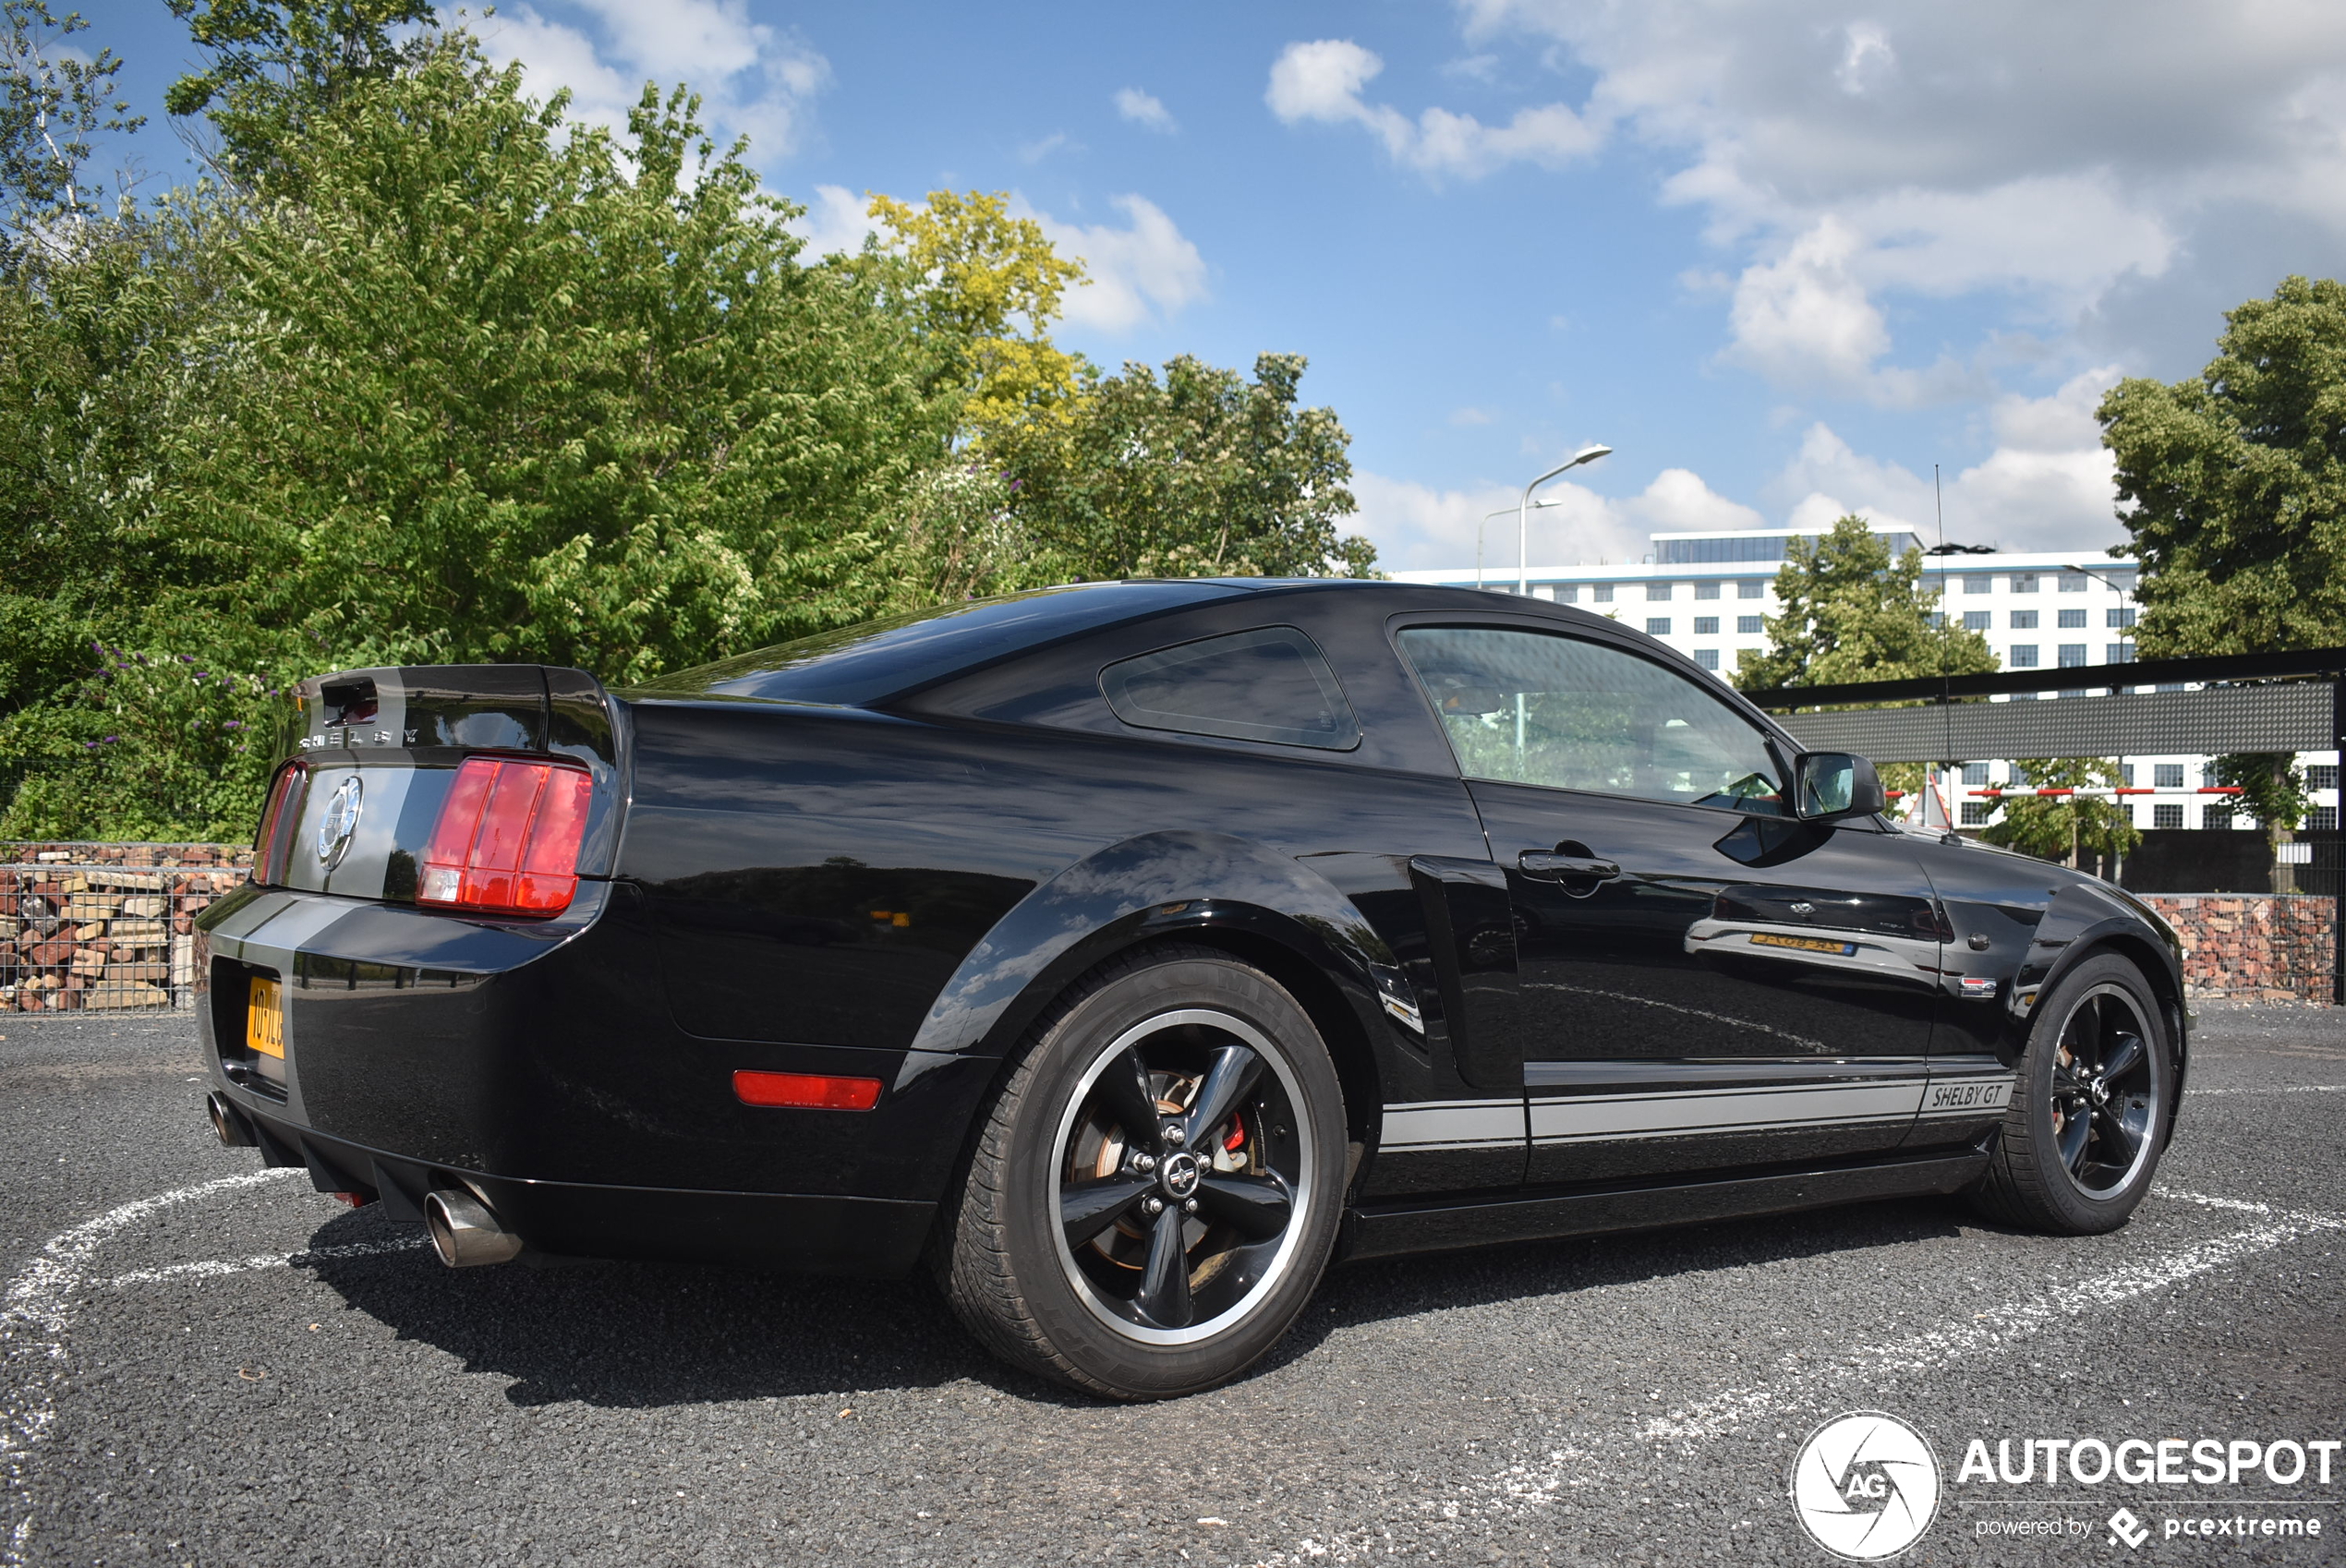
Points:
x=2083 y=919
x=1157 y=884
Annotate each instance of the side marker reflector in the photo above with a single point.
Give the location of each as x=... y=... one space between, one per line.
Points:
x=806 y=1090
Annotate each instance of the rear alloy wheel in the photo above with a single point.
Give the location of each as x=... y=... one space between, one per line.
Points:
x=2091 y=1113
x=1156 y=1191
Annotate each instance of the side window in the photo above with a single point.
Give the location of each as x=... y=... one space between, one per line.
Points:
x=1269 y=684
x=1530 y=707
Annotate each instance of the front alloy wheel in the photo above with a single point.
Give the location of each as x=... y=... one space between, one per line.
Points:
x=1156 y=1188
x=2093 y=1107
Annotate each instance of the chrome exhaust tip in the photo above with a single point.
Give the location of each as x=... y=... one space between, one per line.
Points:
x=464 y=1232
x=227 y=1123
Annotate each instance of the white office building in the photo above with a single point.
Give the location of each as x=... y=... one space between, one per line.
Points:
x=1707 y=594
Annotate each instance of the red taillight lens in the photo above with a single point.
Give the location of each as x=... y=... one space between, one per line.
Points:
x=507 y=839
x=806 y=1090
x=273 y=848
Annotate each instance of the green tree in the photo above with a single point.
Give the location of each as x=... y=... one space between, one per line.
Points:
x=2271 y=784
x=1852 y=611
x=274 y=66
x=52 y=101
x=2233 y=483
x=1202 y=473
x=2063 y=827
x=985 y=286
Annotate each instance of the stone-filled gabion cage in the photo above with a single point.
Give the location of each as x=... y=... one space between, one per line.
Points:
x=105 y=926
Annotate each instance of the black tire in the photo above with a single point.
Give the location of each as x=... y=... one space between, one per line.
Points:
x=2089 y=1117
x=1164 y=1300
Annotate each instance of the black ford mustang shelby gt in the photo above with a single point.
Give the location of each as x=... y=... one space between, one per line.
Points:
x=1130 y=951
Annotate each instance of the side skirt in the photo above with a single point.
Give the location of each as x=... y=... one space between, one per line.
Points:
x=1384 y=1231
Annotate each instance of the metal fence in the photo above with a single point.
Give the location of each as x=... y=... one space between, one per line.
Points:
x=78 y=933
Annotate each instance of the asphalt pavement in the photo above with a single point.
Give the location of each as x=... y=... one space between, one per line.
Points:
x=201 y=1363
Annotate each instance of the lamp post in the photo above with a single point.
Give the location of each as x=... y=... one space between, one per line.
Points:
x=1523 y=513
x=1485 y=524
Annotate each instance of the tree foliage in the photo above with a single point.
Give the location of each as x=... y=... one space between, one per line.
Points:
x=435 y=373
x=2061 y=827
x=2233 y=483
x=52 y=101
x=1852 y=611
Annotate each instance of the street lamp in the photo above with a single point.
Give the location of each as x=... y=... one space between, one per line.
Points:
x=1485 y=524
x=1523 y=513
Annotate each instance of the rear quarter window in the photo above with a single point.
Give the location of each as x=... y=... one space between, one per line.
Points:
x=1269 y=684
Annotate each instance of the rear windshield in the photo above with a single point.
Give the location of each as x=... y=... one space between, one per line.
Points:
x=878 y=659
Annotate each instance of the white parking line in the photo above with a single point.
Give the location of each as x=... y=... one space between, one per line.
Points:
x=219 y=1268
x=2275 y=1088
x=1538 y=1483
x=32 y=1329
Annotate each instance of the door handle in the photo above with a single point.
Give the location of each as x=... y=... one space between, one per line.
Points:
x=1552 y=867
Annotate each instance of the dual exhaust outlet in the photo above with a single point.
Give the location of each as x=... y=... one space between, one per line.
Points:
x=465 y=1231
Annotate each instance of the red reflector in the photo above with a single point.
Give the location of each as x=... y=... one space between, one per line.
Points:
x=507 y=839
x=806 y=1090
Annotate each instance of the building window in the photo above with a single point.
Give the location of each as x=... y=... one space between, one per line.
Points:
x=1657 y=593
x=1706 y=590
x=2119 y=617
x=1749 y=625
x=2322 y=819
x=2074 y=582
x=2024 y=656
x=1974 y=773
x=2321 y=776
x=2073 y=619
x=1657 y=625
x=1602 y=593
x=1976 y=620
x=2216 y=814
x=1707 y=657
x=2126 y=774
x=1751 y=588
x=1706 y=625
x=1979 y=584
x=2073 y=656
x=1976 y=813
x=2023 y=582
x=2024 y=621
x=2166 y=816
x=1568 y=593
x=2166 y=776
x=2118 y=653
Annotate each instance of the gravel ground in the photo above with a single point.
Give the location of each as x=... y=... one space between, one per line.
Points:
x=196 y=1369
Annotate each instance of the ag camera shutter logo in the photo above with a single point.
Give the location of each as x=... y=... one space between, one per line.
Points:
x=1865 y=1486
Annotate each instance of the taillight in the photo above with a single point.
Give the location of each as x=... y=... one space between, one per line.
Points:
x=507 y=839
x=273 y=848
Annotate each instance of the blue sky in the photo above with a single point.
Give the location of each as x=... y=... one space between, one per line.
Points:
x=1782 y=259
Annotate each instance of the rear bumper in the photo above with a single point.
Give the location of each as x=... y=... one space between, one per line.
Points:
x=540 y=1063
x=800 y=1232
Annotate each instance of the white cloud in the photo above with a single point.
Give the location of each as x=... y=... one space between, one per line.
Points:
x=2062 y=156
x=1678 y=501
x=1036 y=151
x=1469 y=416
x=2047 y=483
x=1416 y=526
x=1322 y=81
x=1144 y=110
x=837 y=219
x=754 y=80
x=1144 y=272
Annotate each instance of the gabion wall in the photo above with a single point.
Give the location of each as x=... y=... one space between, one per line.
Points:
x=91 y=927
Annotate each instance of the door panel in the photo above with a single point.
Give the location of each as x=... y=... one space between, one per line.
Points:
x=1704 y=980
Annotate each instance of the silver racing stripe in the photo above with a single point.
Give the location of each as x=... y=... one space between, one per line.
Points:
x=1454 y=1123
x=1680 y=1112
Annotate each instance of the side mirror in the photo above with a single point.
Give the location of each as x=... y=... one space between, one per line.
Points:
x=1831 y=785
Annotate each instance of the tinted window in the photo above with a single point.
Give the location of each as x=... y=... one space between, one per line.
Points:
x=1270 y=684
x=1534 y=708
x=878 y=659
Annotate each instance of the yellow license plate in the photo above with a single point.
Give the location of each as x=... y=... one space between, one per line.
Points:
x=1805 y=944
x=265 y=1019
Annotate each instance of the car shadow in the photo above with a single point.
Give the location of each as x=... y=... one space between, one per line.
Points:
x=641 y=1336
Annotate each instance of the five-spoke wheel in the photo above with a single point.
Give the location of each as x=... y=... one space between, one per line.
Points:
x=1155 y=1190
x=2091 y=1111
